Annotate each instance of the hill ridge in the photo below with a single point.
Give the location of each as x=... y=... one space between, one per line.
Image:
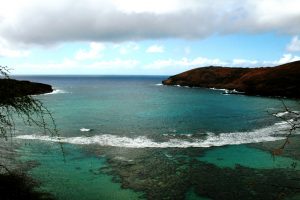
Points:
x=282 y=80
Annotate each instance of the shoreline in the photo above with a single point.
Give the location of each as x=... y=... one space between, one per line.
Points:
x=282 y=80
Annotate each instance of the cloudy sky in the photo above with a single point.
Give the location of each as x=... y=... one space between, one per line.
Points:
x=146 y=36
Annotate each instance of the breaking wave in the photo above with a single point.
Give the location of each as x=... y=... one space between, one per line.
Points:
x=271 y=133
x=288 y=114
x=224 y=90
x=85 y=130
x=56 y=91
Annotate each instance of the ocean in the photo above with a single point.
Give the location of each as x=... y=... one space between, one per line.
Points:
x=130 y=137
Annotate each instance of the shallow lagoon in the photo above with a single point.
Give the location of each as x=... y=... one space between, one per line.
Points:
x=157 y=142
x=72 y=175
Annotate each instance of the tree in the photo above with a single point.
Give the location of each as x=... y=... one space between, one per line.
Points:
x=14 y=104
x=292 y=118
x=31 y=110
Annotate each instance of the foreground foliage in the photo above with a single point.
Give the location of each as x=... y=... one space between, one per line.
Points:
x=292 y=118
x=13 y=103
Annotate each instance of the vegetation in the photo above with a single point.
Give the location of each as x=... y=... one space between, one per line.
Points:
x=16 y=102
x=13 y=103
x=292 y=118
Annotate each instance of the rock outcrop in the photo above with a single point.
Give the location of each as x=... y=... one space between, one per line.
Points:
x=10 y=88
x=282 y=80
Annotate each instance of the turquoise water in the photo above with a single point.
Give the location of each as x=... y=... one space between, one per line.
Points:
x=140 y=107
x=231 y=156
x=77 y=176
x=134 y=121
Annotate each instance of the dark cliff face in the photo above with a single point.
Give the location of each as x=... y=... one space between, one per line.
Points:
x=10 y=88
x=283 y=80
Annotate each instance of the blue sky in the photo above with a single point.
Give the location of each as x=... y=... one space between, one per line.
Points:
x=146 y=37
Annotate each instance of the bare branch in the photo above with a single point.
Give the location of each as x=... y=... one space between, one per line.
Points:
x=29 y=109
x=293 y=122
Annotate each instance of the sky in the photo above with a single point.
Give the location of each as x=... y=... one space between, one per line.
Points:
x=146 y=37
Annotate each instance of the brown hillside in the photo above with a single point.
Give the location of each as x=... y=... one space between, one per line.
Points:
x=283 y=80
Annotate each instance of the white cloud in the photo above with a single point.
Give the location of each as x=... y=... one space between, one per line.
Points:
x=294 y=45
x=50 y=67
x=27 y=22
x=286 y=58
x=6 y=50
x=72 y=66
x=116 y=64
x=153 y=6
x=244 y=62
x=128 y=48
x=93 y=53
x=13 y=53
x=155 y=49
x=134 y=66
x=185 y=62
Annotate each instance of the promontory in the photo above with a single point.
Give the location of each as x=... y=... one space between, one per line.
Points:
x=282 y=80
x=10 y=88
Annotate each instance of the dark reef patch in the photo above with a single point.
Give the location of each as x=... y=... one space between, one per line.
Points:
x=171 y=173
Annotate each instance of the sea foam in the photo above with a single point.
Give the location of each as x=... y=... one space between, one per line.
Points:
x=224 y=90
x=85 y=129
x=57 y=91
x=271 y=133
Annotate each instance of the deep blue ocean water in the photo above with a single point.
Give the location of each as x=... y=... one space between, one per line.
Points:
x=131 y=112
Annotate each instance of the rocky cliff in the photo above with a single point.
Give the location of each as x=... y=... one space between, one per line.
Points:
x=10 y=88
x=282 y=80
